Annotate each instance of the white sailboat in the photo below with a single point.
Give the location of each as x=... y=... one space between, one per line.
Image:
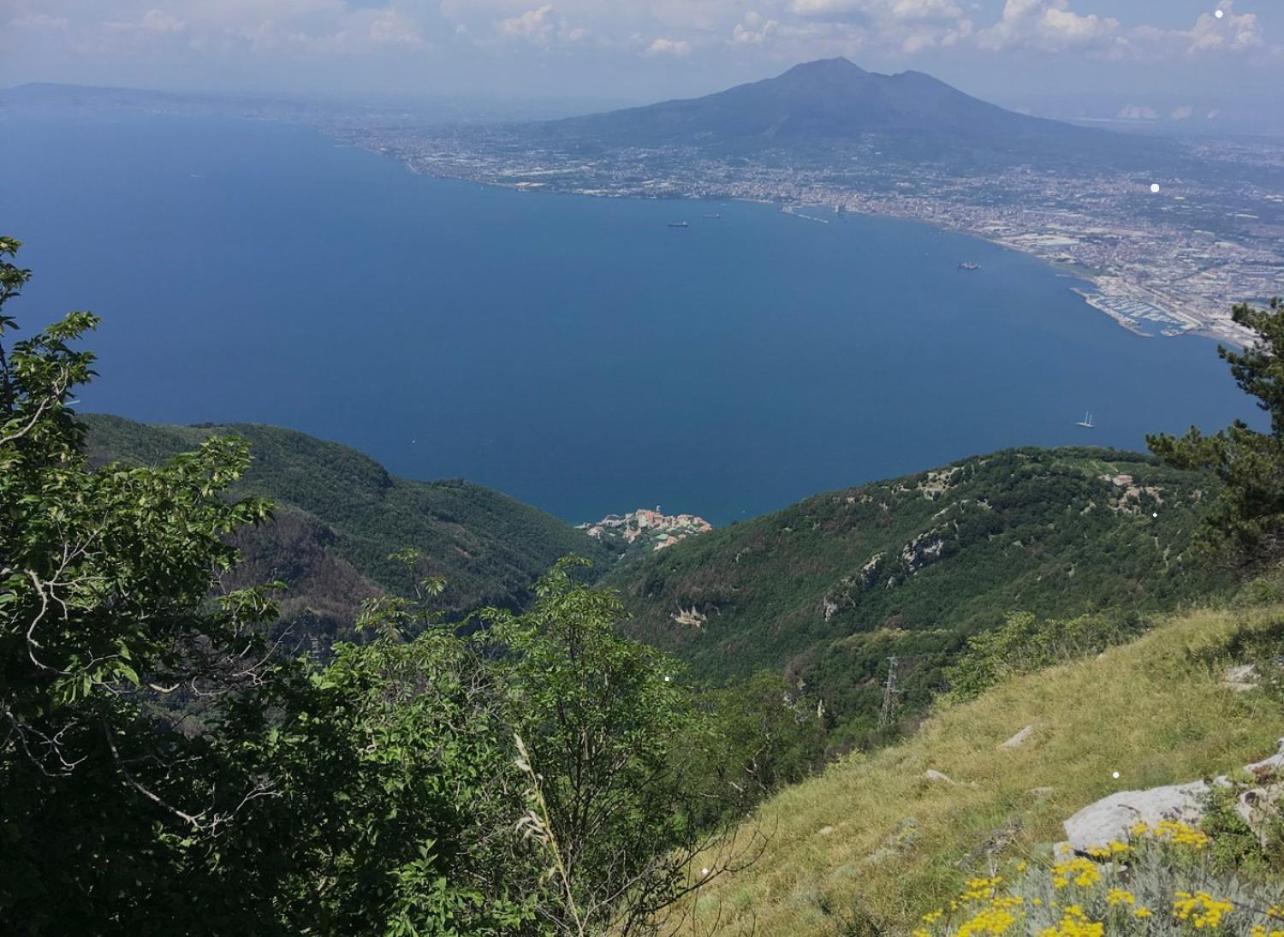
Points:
x=1086 y=422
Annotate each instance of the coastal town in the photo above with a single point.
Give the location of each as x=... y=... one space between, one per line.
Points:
x=1160 y=256
x=645 y=531
x=1163 y=253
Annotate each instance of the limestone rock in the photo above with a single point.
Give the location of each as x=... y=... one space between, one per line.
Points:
x=1268 y=767
x=1259 y=808
x=1242 y=678
x=1018 y=740
x=1110 y=818
x=936 y=777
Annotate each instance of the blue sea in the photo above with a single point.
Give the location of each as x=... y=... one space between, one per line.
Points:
x=576 y=353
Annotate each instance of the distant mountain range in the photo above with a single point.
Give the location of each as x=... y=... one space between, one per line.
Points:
x=833 y=102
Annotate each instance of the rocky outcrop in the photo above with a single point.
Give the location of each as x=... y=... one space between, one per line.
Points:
x=923 y=550
x=1017 y=740
x=1110 y=818
x=691 y=617
x=1129 y=497
x=1242 y=678
x=848 y=590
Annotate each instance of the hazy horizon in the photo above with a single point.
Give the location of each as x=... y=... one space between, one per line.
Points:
x=1138 y=61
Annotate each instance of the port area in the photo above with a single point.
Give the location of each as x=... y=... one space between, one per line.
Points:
x=1139 y=315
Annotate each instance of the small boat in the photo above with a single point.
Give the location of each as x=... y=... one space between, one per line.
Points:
x=968 y=265
x=1086 y=422
x=678 y=224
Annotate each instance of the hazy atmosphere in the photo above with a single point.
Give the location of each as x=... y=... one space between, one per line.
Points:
x=1129 y=57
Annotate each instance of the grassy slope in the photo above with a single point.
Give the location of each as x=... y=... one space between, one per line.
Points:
x=1032 y=530
x=1155 y=711
x=340 y=514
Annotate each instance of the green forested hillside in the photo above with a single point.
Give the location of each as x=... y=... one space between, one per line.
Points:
x=831 y=588
x=339 y=515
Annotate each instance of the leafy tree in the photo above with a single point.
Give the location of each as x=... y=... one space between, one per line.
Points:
x=104 y=579
x=767 y=736
x=163 y=772
x=1249 y=518
x=1025 y=643
x=395 y=798
x=608 y=738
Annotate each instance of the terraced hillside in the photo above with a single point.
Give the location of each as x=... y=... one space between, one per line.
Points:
x=830 y=589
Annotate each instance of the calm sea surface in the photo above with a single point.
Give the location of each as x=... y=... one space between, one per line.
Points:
x=576 y=353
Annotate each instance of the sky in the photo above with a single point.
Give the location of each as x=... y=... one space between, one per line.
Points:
x=1142 y=57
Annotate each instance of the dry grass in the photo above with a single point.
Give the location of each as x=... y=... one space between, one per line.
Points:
x=872 y=838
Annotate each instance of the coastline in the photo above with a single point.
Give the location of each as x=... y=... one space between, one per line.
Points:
x=1126 y=303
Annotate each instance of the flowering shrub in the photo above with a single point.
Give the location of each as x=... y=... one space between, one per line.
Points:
x=1158 y=883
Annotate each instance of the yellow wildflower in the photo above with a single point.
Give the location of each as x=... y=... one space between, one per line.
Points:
x=1081 y=872
x=979 y=889
x=1117 y=896
x=990 y=921
x=1074 y=923
x=1200 y=909
x=1179 y=834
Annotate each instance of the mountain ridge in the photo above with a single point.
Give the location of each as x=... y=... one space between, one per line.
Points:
x=834 y=101
x=827 y=589
x=340 y=514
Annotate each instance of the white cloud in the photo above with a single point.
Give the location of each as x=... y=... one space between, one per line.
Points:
x=1138 y=112
x=753 y=30
x=664 y=45
x=40 y=21
x=909 y=26
x=1049 y=25
x=1232 y=31
x=783 y=31
x=541 y=26
x=879 y=11
x=536 y=25
x=155 y=22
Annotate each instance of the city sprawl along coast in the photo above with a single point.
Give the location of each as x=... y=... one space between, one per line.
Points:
x=1168 y=232
x=1160 y=263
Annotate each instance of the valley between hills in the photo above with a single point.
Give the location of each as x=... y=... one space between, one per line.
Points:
x=823 y=593
x=1089 y=549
